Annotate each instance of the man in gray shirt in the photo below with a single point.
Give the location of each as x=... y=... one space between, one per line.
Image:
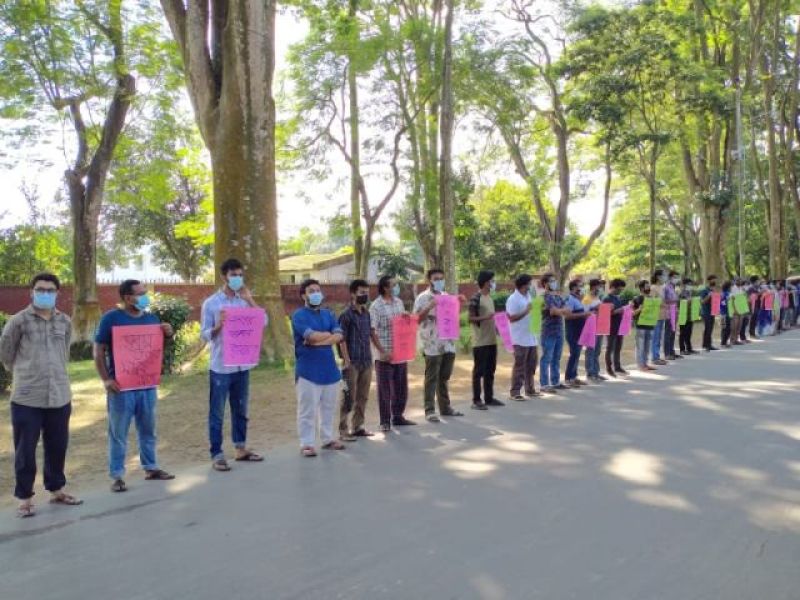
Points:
x=35 y=347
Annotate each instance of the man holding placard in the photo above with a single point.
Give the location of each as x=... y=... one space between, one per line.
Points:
x=127 y=354
x=685 y=323
x=518 y=308
x=484 y=343
x=706 y=297
x=552 y=336
x=232 y=324
x=440 y=352
x=646 y=312
x=615 y=339
x=35 y=348
x=593 y=301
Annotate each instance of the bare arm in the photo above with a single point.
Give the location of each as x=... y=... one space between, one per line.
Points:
x=100 y=364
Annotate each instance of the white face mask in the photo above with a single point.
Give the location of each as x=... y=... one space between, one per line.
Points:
x=492 y=286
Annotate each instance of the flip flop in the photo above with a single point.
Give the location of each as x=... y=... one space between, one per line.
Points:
x=24 y=512
x=66 y=500
x=220 y=465
x=158 y=475
x=308 y=451
x=334 y=445
x=249 y=456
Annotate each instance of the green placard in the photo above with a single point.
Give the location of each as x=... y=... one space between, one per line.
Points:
x=776 y=306
x=730 y=306
x=650 y=312
x=683 y=312
x=740 y=304
x=537 y=304
x=695 y=310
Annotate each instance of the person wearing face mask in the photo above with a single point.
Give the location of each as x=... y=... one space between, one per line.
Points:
x=484 y=343
x=357 y=357
x=526 y=358
x=754 y=301
x=643 y=332
x=391 y=377
x=575 y=319
x=124 y=406
x=685 y=330
x=231 y=384
x=440 y=355
x=657 y=284
x=705 y=312
x=592 y=355
x=552 y=336
x=669 y=297
x=35 y=348
x=316 y=332
x=614 y=346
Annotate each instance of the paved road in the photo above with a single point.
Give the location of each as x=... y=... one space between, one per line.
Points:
x=677 y=489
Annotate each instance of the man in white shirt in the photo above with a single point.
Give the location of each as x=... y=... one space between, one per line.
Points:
x=518 y=309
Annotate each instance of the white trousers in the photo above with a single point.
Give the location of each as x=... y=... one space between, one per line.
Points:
x=315 y=403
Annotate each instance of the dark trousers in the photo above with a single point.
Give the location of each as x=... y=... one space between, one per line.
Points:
x=525 y=360
x=669 y=339
x=708 y=330
x=613 y=352
x=685 y=336
x=726 y=331
x=438 y=370
x=483 y=369
x=754 y=319
x=392 y=383
x=28 y=424
x=574 y=357
x=743 y=329
x=356 y=380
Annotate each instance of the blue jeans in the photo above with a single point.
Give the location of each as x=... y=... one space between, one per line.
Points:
x=574 y=358
x=643 y=342
x=549 y=367
x=655 y=341
x=122 y=409
x=592 y=360
x=236 y=388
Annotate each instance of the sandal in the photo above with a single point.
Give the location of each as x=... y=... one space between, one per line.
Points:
x=119 y=486
x=220 y=465
x=334 y=445
x=308 y=451
x=158 y=475
x=249 y=456
x=65 y=499
x=26 y=510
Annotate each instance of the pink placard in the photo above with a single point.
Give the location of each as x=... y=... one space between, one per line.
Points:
x=604 y=319
x=138 y=351
x=447 y=316
x=753 y=298
x=588 y=337
x=768 y=300
x=673 y=315
x=784 y=299
x=242 y=331
x=404 y=338
x=504 y=329
x=627 y=320
x=716 y=303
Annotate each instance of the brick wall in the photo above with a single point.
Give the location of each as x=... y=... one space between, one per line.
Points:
x=15 y=298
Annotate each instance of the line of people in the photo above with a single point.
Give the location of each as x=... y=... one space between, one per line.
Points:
x=35 y=346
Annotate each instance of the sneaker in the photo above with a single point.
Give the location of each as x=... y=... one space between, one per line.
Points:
x=495 y=402
x=676 y=357
x=479 y=406
x=611 y=373
x=362 y=433
x=672 y=357
x=580 y=382
x=452 y=413
x=385 y=427
x=549 y=390
x=347 y=437
x=713 y=348
x=601 y=378
x=659 y=361
x=533 y=394
x=693 y=352
x=402 y=422
x=622 y=372
x=518 y=398
x=560 y=386
x=432 y=418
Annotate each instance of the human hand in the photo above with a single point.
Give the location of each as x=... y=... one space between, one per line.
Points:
x=111 y=386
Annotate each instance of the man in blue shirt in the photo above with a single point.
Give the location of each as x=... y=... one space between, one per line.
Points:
x=232 y=383
x=575 y=320
x=552 y=336
x=317 y=377
x=123 y=406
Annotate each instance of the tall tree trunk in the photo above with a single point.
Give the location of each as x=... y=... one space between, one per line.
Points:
x=361 y=260
x=446 y=199
x=229 y=57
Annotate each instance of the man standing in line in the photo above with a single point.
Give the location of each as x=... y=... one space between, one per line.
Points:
x=552 y=336
x=575 y=320
x=705 y=312
x=518 y=309
x=685 y=335
x=227 y=383
x=657 y=283
x=614 y=347
x=484 y=343
x=669 y=297
x=440 y=355
x=357 y=356
x=592 y=361
x=317 y=377
x=35 y=348
x=124 y=406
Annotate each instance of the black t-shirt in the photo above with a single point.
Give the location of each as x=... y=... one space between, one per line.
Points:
x=616 y=320
x=638 y=302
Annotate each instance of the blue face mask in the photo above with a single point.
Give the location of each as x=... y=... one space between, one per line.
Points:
x=396 y=290
x=315 y=298
x=44 y=300
x=142 y=302
x=553 y=286
x=235 y=282
x=438 y=285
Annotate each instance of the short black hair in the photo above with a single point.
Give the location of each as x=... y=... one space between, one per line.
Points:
x=307 y=283
x=575 y=284
x=383 y=283
x=687 y=281
x=710 y=277
x=753 y=278
x=522 y=280
x=672 y=273
x=642 y=284
x=617 y=283
x=46 y=277
x=546 y=277
x=432 y=272
x=726 y=285
x=230 y=265
x=485 y=276
x=126 y=287
x=357 y=283
x=656 y=274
